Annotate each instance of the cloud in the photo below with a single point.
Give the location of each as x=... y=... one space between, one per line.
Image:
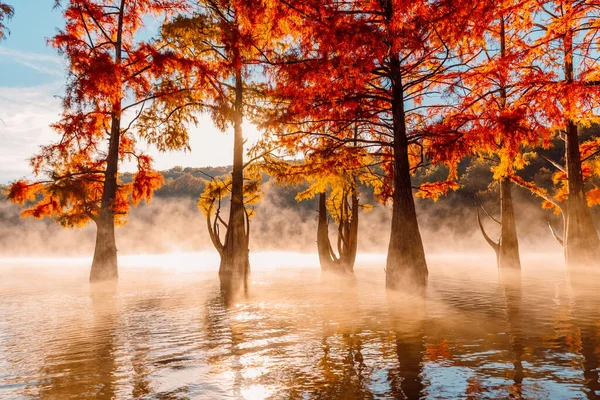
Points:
x=51 y=65
x=27 y=112
x=25 y=118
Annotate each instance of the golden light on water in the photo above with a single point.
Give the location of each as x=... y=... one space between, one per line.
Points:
x=167 y=330
x=258 y=392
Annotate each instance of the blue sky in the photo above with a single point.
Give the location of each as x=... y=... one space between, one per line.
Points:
x=25 y=60
x=32 y=75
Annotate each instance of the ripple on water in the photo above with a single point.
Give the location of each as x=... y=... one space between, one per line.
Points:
x=297 y=334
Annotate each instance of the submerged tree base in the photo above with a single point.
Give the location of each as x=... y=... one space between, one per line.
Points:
x=581 y=243
x=104 y=265
x=232 y=270
x=338 y=268
x=406 y=277
x=104 y=271
x=232 y=287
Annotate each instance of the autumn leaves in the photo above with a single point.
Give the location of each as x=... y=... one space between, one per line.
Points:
x=346 y=94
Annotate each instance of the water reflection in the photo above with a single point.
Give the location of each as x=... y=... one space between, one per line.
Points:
x=511 y=283
x=586 y=311
x=86 y=366
x=408 y=317
x=295 y=333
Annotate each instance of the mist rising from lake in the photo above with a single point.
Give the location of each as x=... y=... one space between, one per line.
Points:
x=168 y=330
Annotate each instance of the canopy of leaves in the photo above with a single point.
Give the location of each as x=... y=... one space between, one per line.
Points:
x=111 y=75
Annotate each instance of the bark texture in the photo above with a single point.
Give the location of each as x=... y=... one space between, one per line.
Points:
x=581 y=243
x=235 y=262
x=508 y=249
x=323 y=244
x=104 y=263
x=406 y=265
x=507 y=245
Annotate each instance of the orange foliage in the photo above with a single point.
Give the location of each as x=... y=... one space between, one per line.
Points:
x=332 y=88
x=436 y=189
x=111 y=74
x=21 y=192
x=493 y=112
x=347 y=85
x=144 y=183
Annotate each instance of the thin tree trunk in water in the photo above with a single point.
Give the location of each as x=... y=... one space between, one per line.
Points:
x=104 y=264
x=508 y=250
x=235 y=263
x=406 y=265
x=507 y=246
x=348 y=244
x=581 y=242
x=323 y=243
x=352 y=246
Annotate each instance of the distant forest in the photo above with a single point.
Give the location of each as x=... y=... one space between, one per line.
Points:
x=475 y=178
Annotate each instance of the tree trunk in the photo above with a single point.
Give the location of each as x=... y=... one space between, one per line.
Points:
x=323 y=243
x=581 y=243
x=508 y=250
x=406 y=265
x=104 y=264
x=352 y=245
x=508 y=244
x=348 y=244
x=235 y=263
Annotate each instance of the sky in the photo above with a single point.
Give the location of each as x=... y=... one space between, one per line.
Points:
x=32 y=76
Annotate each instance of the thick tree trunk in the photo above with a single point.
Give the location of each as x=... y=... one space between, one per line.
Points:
x=235 y=263
x=508 y=249
x=581 y=243
x=104 y=264
x=406 y=265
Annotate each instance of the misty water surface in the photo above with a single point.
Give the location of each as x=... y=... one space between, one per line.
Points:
x=167 y=330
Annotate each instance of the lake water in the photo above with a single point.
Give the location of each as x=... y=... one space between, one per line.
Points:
x=168 y=331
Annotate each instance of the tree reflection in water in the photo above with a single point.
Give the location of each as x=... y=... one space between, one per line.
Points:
x=297 y=333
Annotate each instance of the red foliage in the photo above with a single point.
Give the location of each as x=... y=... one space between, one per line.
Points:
x=111 y=73
x=21 y=192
